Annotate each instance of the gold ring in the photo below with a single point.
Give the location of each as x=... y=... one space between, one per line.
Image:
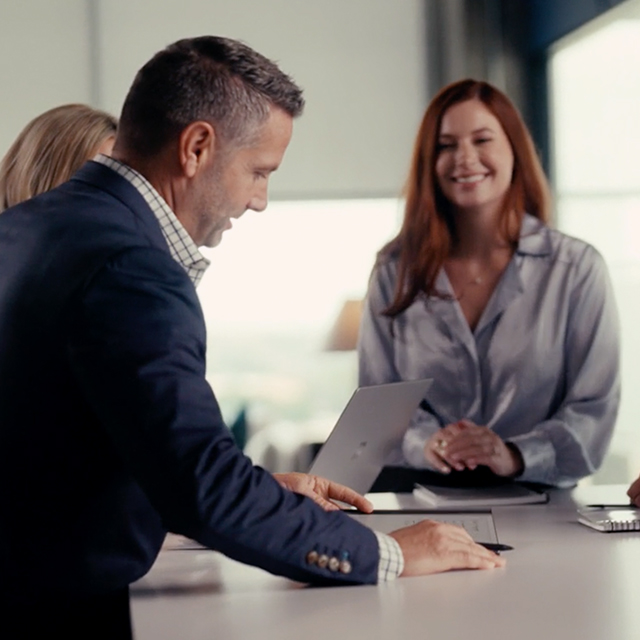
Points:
x=441 y=445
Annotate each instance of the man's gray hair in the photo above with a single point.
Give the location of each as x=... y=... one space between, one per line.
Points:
x=218 y=80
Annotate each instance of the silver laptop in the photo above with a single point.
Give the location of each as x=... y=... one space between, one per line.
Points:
x=371 y=425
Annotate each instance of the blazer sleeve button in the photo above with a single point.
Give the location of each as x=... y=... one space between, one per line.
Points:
x=345 y=566
x=323 y=561
x=334 y=563
x=312 y=557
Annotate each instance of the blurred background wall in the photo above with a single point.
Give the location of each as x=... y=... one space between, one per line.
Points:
x=361 y=63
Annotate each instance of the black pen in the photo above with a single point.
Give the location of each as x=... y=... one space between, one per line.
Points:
x=495 y=546
x=611 y=506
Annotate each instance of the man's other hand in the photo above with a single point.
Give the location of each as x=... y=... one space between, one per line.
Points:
x=433 y=547
x=323 y=491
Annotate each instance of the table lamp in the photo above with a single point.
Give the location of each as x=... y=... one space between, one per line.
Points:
x=344 y=333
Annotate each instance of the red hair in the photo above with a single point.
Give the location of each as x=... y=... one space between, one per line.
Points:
x=425 y=239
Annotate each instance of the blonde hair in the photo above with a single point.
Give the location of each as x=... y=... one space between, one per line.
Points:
x=50 y=149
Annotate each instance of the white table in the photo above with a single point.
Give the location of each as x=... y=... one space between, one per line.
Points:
x=562 y=581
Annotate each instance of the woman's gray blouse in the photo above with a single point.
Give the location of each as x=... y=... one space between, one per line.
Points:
x=541 y=367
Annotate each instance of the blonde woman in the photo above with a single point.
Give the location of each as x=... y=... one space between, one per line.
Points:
x=51 y=148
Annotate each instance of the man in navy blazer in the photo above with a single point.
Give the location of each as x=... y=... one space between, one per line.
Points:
x=110 y=435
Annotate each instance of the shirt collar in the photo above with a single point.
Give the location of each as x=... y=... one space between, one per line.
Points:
x=181 y=246
x=535 y=237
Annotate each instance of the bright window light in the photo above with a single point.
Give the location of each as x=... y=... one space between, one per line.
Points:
x=274 y=288
x=596 y=101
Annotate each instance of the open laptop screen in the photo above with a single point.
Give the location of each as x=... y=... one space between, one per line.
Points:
x=371 y=425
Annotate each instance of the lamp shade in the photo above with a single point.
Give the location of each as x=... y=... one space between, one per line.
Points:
x=344 y=333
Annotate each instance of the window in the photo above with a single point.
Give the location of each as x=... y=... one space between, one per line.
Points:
x=274 y=288
x=596 y=131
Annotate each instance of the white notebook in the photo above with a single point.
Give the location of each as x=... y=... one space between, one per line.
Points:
x=477 y=497
x=610 y=520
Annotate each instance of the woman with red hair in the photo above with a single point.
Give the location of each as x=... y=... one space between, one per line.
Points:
x=515 y=322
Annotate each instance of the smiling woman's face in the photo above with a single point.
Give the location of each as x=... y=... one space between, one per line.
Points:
x=474 y=164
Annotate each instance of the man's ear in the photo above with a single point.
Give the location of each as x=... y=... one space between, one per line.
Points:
x=197 y=145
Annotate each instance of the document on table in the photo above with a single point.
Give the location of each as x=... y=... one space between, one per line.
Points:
x=478 y=524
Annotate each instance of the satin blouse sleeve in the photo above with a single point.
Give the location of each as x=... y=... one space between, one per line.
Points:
x=571 y=444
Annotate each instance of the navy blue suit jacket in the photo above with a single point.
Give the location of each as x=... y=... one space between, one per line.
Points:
x=109 y=433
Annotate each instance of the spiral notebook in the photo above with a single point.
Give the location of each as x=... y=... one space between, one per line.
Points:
x=610 y=520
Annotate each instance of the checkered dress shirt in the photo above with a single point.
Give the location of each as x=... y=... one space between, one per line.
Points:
x=391 y=563
x=183 y=249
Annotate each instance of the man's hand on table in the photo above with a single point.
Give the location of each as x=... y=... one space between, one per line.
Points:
x=433 y=547
x=323 y=491
x=427 y=547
